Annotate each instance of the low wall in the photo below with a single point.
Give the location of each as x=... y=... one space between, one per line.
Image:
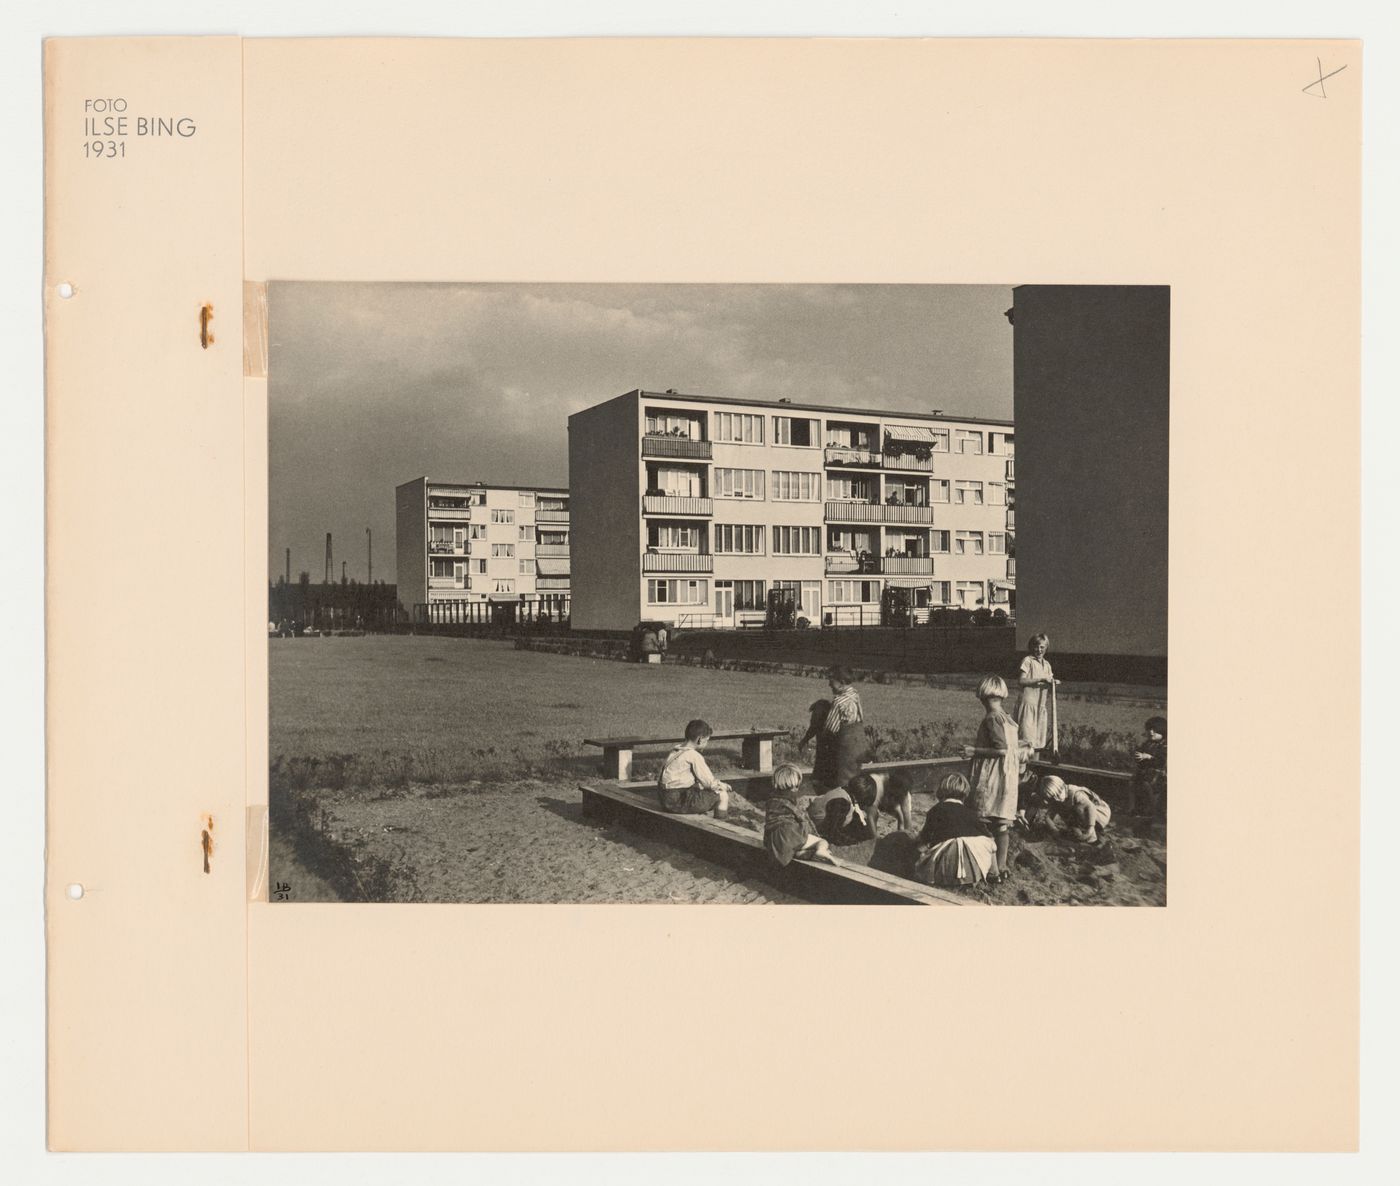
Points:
x=918 y=649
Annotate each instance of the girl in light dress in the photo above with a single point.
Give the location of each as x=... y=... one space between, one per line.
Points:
x=1037 y=680
x=996 y=769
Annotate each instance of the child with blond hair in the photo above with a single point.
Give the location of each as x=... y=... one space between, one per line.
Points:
x=996 y=762
x=955 y=846
x=788 y=831
x=1085 y=812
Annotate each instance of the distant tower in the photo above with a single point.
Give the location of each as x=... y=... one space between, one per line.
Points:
x=369 y=544
x=289 y=566
x=330 y=565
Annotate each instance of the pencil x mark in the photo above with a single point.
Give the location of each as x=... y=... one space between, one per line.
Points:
x=1320 y=80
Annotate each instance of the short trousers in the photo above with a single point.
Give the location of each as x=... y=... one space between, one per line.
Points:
x=688 y=800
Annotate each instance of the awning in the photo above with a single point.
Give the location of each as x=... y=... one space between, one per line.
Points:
x=910 y=582
x=925 y=435
x=552 y=566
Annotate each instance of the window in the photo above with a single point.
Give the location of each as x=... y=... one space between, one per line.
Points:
x=738 y=483
x=738 y=539
x=527 y=497
x=1001 y=595
x=940 y=440
x=505 y=586
x=969 y=593
x=938 y=490
x=526 y=534
x=968 y=492
x=797 y=541
x=749 y=595
x=937 y=541
x=969 y=441
x=440 y=533
x=477 y=531
x=480 y=566
x=500 y=516
x=846 y=489
x=673 y=537
x=996 y=494
x=938 y=592
x=809 y=596
x=1001 y=443
x=794 y=430
x=442 y=568
x=678 y=483
x=678 y=592
x=853 y=591
x=528 y=567
x=738 y=428
x=795 y=486
x=969 y=543
x=502 y=549
x=996 y=543
x=670 y=424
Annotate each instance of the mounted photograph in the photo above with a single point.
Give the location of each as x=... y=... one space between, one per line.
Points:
x=724 y=594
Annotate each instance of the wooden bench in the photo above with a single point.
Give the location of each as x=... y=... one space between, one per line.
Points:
x=741 y=849
x=1111 y=784
x=617 y=751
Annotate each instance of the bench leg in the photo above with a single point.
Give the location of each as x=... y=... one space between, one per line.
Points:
x=617 y=763
x=758 y=753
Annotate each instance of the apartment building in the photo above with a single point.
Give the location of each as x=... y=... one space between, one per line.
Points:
x=461 y=545
x=692 y=509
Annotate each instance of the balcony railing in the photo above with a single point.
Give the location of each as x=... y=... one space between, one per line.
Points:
x=551 y=549
x=660 y=446
x=678 y=562
x=677 y=504
x=844 y=564
x=876 y=512
x=446 y=547
x=550 y=516
x=456 y=514
x=551 y=584
x=907 y=461
x=846 y=455
x=1010 y=518
x=913 y=566
x=1010 y=469
x=447 y=583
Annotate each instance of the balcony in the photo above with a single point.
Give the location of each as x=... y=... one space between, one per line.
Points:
x=552 y=584
x=543 y=515
x=450 y=514
x=445 y=547
x=551 y=549
x=844 y=564
x=676 y=504
x=1010 y=518
x=841 y=455
x=447 y=583
x=876 y=512
x=1010 y=469
x=678 y=562
x=908 y=566
x=664 y=446
x=909 y=463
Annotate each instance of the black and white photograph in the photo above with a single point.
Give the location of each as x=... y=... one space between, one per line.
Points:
x=841 y=594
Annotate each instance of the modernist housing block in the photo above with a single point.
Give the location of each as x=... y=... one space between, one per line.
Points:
x=693 y=509
x=461 y=545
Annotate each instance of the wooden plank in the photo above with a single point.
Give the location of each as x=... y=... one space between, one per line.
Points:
x=743 y=850
x=727 y=736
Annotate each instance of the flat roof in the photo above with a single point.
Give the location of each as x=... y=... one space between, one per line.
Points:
x=866 y=413
x=434 y=483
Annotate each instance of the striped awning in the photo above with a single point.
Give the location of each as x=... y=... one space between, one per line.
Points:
x=552 y=566
x=909 y=582
x=897 y=432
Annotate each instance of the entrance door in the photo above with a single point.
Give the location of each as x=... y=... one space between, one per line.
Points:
x=724 y=603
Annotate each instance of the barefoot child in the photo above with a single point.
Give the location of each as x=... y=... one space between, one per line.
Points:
x=995 y=768
x=955 y=846
x=1085 y=812
x=788 y=832
x=685 y=785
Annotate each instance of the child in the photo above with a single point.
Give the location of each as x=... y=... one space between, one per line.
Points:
x=955 y=846
x=1084 y=811
x=845 y=815
x=788 y=832
x=896 y=798
x=685 y=785
x=1150 y=778
x=995 y=769
x=841 y=742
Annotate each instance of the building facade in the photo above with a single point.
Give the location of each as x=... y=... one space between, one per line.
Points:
x=463 y=545
x=1092 y=382
x=693 y=509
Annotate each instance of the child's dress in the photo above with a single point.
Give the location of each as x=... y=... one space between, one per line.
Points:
x=1033 y=709
x=958 y=849
x=1085 y=811
x=786 y=829
x=995 y=780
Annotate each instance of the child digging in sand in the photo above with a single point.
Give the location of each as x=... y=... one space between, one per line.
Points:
x=995 y=769
x=1085 y=812
x=955 y=846
x=788 y=831
x=685 y=785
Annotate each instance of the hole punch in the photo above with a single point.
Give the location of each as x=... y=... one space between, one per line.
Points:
x=66 y=290
x=75 y=891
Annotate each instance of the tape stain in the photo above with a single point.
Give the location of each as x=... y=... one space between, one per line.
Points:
x=206 y=840
x=206 y=315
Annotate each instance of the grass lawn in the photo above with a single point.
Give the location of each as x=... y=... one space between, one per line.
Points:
x=451 y=765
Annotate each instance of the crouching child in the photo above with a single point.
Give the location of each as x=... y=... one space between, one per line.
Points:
x=686 y=785
x=788 y=831
x=1085 y=812
x=955 y=845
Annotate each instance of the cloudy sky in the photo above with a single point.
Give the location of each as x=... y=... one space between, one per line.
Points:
x=370 y=385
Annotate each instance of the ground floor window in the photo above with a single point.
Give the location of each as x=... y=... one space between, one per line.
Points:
x=970 y=594
x=853 y=591
x=678 y=592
